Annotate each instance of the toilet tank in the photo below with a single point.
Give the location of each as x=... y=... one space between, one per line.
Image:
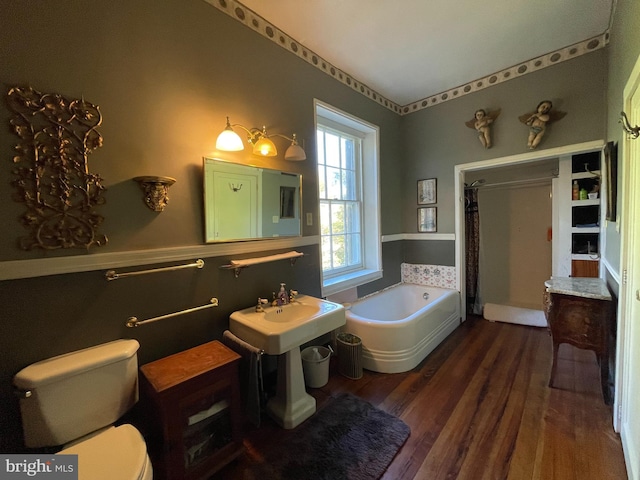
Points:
x=71 y=395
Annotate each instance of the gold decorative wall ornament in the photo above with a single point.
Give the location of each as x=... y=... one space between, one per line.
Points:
x=56 y=136
x=156 y=191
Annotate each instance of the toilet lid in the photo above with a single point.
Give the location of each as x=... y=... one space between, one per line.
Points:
x=118 y=452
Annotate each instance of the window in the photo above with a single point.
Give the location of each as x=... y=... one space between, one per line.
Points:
x=348 y=193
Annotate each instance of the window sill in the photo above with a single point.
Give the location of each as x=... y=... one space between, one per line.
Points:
x=344 y=282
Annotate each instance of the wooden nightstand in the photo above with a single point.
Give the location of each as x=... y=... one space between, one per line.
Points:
x=191 y=404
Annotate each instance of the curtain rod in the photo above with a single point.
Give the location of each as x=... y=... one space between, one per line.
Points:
x=513 y=182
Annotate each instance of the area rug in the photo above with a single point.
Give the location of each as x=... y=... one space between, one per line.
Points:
x=348 y=439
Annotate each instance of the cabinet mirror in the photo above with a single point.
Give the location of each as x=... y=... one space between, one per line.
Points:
x=243 y=202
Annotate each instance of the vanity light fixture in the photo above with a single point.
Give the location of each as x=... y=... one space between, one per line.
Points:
x=230 y=141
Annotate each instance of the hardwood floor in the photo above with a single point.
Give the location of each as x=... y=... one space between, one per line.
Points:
x=479 y=408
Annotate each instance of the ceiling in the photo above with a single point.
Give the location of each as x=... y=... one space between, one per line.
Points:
x=408 y=50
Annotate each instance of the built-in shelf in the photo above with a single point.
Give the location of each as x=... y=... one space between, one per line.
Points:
x=584 y=203
x=590 y=257
x=580 y=175
x=585 y=230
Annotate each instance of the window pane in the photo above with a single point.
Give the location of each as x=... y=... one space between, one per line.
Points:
x=352 y=217
x=332 y=145
x=337 y=246
x=322 y=185
x=348 y=154
x=353 y=249
x=337 y=218
x=334 y=184
x=326 y=253
x=349 y=185
x=325 y=218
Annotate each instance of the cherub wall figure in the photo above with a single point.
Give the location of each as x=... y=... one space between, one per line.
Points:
x=537 y=121
x=481 y=122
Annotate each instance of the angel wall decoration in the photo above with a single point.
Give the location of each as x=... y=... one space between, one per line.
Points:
x=537 y=121
x=481 y=122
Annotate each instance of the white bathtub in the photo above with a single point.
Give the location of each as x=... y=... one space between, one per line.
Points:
x=399 y=327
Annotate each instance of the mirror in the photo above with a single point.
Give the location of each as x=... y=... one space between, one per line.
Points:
x=242 y=202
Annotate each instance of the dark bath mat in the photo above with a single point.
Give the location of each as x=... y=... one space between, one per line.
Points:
x=349 y=439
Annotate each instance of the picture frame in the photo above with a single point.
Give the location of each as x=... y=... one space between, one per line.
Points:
x=427 y=219
x=611 y=166
x=427 y=191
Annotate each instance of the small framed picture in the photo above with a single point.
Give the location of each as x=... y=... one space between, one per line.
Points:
x=427 y=219
x=427 y=192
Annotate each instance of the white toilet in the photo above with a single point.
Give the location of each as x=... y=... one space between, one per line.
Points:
x=72 y=400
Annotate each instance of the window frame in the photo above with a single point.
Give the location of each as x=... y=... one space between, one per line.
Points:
x=357 y=143
x=337 y=120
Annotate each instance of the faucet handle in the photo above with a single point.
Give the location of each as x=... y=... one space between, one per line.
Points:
x=261 y=302
x=292 y=295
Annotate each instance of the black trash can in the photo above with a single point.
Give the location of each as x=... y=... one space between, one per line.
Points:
x=349 y=351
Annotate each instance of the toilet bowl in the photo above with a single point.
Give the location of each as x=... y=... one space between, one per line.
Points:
x=74 y=400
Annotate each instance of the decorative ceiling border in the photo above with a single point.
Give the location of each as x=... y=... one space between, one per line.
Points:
x=255 y=22
x=538 y=63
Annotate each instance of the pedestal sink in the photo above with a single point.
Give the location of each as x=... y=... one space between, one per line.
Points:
x=281 y=331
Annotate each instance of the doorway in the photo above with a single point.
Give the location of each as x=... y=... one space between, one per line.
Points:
x=462 y=171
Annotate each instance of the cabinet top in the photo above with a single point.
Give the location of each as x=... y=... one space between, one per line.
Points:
x=579 y=287
x=169 y=371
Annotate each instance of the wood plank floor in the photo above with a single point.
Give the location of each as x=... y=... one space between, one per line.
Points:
x=479 y=408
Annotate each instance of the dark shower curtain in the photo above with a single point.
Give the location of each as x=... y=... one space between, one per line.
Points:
x=472 y=245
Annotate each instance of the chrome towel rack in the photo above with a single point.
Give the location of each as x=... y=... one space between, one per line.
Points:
x=112 y=275
x=134 y=322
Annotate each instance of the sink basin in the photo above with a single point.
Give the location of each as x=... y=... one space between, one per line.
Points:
x=280 y=329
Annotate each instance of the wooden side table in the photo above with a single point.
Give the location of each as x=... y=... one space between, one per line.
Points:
x=580 y=312
x=191 y=404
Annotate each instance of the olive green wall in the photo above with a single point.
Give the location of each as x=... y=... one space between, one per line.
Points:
x=624 y=49
x=624 y=52
x=164 y=74
x=437 y=138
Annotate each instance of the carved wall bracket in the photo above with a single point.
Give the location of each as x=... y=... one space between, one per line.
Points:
x=52 y=176
x=156 y=191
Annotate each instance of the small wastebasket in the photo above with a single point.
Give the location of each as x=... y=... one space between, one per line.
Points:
x=315 y=366
x=349 y=350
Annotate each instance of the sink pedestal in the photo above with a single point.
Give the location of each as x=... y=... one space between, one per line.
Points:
x=292 y=405
x=280 y=330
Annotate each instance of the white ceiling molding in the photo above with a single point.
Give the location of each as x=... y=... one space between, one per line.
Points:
x=255 y=22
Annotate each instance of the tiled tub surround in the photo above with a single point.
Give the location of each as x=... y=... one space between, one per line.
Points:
x=431 y=275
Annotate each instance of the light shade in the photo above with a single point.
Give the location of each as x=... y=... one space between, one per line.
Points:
x=229 y=141
x=295 y=153
x=265 y=147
